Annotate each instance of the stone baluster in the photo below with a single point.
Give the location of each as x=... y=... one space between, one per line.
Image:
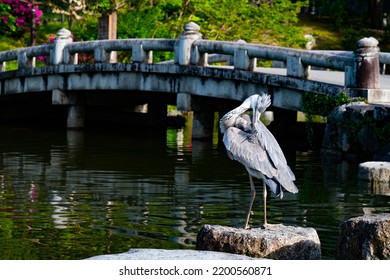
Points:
x=74 y=101
x=23 y=61
x=59 y=55
x=186 y=54
x=139 y=55
x=241 y=59
x=101 y=55
x=295 y=67
x=183 y=49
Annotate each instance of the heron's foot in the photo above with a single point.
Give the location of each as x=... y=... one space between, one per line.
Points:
x=247 y=226
x=267 y=225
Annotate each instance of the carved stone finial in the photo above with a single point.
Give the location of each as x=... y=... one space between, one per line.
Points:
x=367 y=42
x=63 y=33
x=191 y=27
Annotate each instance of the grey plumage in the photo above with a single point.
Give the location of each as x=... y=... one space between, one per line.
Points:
x=249 y=142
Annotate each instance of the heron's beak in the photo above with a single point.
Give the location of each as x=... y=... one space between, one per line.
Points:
x=255 y=114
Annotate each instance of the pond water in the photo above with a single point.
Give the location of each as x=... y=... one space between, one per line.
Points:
x=72 y=195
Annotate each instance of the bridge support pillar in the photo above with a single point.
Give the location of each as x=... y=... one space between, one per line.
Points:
x=76 y=109
x=157 y=112
x=183 y=102
x=76 y=117
x=203 y=118
x=202 y=125
x=203 y=114
x=285 y=126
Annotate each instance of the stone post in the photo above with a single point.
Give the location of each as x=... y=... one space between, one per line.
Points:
x=101 y=55
x=185 y=55
x=295 y=67
x=23 y=60
x=63 y=38
x=183 y=49
x=203 y=118
x=139 y=55
x=242 y=61
x=76 y=107
x=183 y=102
x=76 y=116
x=367 y=64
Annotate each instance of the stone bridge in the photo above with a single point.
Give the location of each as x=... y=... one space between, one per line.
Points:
x=204 y=76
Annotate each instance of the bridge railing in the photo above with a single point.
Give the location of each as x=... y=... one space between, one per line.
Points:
x=361 y=67
x=24 y=57
x=244 y=56
x=141 y=49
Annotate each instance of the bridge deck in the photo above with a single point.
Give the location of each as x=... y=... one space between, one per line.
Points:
x=331 y=77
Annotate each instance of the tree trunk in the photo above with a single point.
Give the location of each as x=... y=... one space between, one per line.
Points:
x=375 y=13
x=107 y=30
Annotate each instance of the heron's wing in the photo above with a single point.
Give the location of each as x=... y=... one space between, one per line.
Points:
x=275 y=153
x=244 y=148
x=285 y=175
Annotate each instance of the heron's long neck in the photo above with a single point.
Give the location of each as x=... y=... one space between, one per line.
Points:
x=229 y=118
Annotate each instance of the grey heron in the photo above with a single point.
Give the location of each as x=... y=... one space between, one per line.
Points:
x=248 y=141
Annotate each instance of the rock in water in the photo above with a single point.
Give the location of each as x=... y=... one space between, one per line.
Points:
x=274 y=242
x=376 y=171
x=365 y=238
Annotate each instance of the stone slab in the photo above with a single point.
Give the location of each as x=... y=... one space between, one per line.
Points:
x=378 y=171
x=160 y=254
x=274 y=242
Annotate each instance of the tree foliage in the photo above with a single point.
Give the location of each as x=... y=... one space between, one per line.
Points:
x=77 y=10
x=271 y=22
x=259 y=21
x=16 y=16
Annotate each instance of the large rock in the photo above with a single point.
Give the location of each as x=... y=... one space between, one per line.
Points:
x=159 y=254
x=365 y=238
x=358 y=131
x=274 y=242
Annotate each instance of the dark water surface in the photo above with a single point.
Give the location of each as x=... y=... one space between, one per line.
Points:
x=72 y=195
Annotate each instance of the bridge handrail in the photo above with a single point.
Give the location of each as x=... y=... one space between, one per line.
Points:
x=384 y=57
x=102 y=47
x=326 y=59
x=24 y=56
x=330 y=60
x=122 y=45
x=30 y=52
x=98 y=47
x=191 y=49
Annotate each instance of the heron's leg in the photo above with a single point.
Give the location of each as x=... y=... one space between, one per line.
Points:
x=253 y=195
x=265 y=203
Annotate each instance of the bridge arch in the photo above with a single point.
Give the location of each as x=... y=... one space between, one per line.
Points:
x=192 y=75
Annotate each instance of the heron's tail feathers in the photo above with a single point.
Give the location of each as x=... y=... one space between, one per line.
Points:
x=277 y=188
x=274 y=186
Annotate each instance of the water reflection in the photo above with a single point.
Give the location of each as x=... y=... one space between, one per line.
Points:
x=71 y=195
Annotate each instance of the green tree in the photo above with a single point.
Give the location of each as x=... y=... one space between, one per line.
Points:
x=271 y=22
x=19 y=16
